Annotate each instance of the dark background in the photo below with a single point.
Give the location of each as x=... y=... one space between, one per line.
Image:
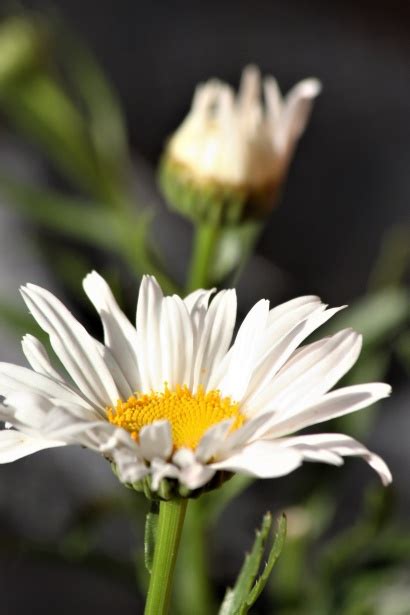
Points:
x=348 y=185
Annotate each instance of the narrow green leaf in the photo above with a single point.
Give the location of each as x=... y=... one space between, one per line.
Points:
x=274 y=554
x=40 y=108
x=151 y=525
x=237 y=597
x=75 y=217
x=103 y=107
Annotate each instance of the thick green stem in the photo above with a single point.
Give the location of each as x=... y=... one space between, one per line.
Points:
x=170 y=523
x=194 y=592
x=206 y=236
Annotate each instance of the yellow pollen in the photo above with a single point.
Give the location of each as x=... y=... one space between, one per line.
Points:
x=190 y=415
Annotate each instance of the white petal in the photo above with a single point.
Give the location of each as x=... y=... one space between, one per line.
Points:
x=176 y=344
x=121 y=382
x=159 y=470
x=38 y=358
x=262 y=459
x=184 y=457
x=149 y=310
x=288 y=308
x=340 y=445
x=246 y=433
x=120 y=336
x=249 y=89
x=311 y=374
x=75 y=348
x=15 y=445
x=212 y=440
x=198 y=300
x=277 y=344
x=216 y=335
x=259 y=391
x=156 y=440
x=129 y=467
x=14 y=379
x=330 y=406
x=273 y=100
x=29 y=409
x=196 y=475
x=241 y=364
x=295 y=115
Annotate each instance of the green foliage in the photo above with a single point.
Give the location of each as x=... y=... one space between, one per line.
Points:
x=248 y=587
x=378 y=315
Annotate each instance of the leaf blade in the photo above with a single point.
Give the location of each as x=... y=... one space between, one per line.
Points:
x=236 y=597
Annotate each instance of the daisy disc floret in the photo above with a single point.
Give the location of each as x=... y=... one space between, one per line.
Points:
x=178 y=401
x=231 y=153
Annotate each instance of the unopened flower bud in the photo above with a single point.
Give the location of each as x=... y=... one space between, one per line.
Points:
x=230 y=155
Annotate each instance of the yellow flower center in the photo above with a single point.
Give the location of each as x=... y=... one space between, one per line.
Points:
x=190 y=415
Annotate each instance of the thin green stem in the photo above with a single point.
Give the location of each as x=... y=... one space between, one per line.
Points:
x=205 y=239
x=170 y=523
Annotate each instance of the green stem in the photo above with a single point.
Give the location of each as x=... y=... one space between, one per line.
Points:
x=194 y=592
x=206 y=236
x=170 y=523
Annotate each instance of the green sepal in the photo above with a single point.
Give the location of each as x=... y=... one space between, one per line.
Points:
x=172 y=489
x=150 y=534
x=248 y=587
x=211 y=201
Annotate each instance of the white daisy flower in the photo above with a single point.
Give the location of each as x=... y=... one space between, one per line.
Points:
x=175 y=398
x=236 y=147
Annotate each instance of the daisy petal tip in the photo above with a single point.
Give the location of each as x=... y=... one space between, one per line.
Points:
x=381 y=467
x=381 y=390
x=311 y=87
x=91 y=277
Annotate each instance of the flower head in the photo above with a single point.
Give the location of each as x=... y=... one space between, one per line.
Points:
x=173 y=401
x=230 y=154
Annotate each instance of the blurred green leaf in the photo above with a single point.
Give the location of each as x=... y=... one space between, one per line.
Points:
x=150 y=536
x=102 y=105
x=350 y=548
x=233 y=248
x=403 y=349
x=77 y=218
x=40 y=109
x=105 y=121
x=247 y=589
x=393 y=260
x=377 y=315
x=22 y=47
